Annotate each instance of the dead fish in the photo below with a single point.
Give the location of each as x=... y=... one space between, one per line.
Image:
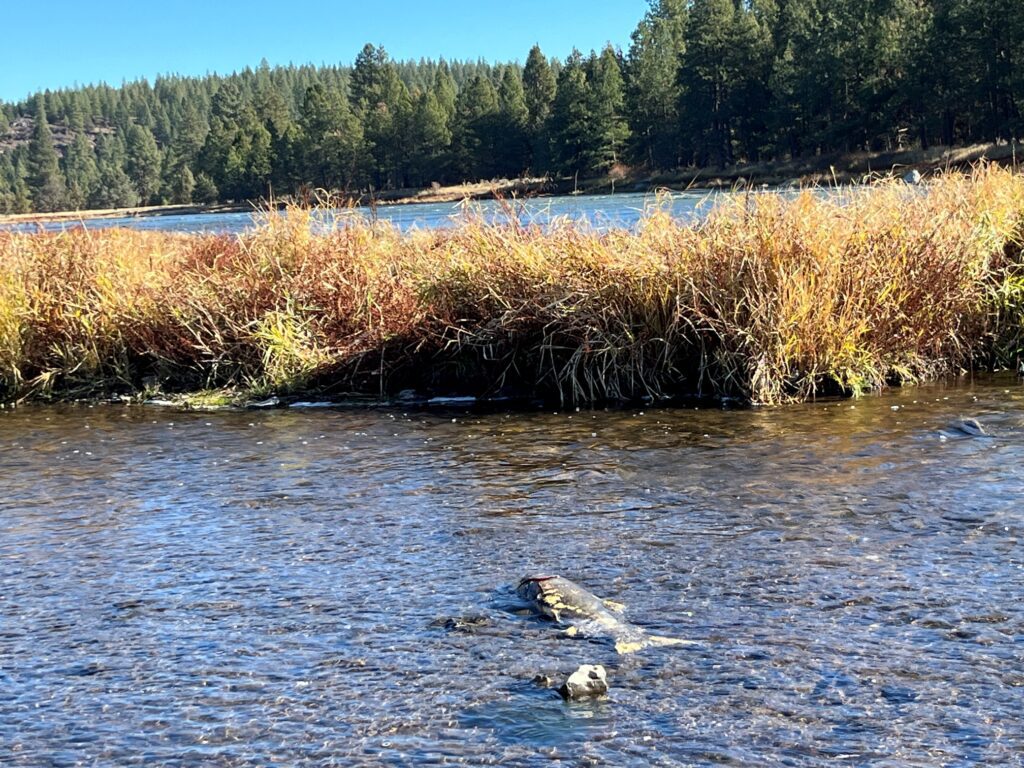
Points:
x=586 y=615
x=970 y=427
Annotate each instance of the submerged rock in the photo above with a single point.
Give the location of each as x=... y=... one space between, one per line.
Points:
x=588 y=681
x=466 y=624
x=544 y=681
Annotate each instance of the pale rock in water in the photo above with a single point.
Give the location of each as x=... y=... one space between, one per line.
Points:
x=914 y=177
x=587 y=681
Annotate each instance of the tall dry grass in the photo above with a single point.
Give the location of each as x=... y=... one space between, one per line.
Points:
x=767 y=299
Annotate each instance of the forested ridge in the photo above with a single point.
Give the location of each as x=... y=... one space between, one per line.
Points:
x=705 y=83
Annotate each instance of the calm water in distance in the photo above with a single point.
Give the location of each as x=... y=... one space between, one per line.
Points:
x=602 y=211
x=273 y=588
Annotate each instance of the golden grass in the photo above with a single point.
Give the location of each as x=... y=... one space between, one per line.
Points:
x=767 y=299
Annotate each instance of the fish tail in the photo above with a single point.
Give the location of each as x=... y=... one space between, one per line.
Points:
x=633 y=645
x=661 y=640
x=630 y=646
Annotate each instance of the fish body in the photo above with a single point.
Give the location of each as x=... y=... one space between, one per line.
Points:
x=585 y=614
x=968 y=427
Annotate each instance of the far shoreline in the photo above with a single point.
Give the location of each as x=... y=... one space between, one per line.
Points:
x=810 y=172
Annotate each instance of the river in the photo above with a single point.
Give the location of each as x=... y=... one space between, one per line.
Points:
x=600 y=211
x=334 y=587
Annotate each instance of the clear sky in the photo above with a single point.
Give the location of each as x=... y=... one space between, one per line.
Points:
x=61 y=43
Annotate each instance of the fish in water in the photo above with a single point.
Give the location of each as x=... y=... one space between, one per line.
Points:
x=970 y=427
x=586 y=615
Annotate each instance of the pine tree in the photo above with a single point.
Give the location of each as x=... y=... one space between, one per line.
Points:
x=186 y=144
x=212 y=158
x=513 y=117
x=162 y=128
x=143 y=114
x=81 y=171
x=205 y=191
x=182 y=186
x=115 y=189
x=331 y=143
x=190 y=133
x=445 y=90
x=653 y=84
x=19 y=186
x=287 y=164
x=256 y=147
x=707 y=78
x=75 y=117
x=570 y=117
x=995 y=38
x=474 y=130
x=607 y=131
x=143 y=163
x=751 y=63
x=431 y=138
x=320 y=116
x=269 y=102
x=367 y=84
x=45 y=181
x=122 y=117
x=539 y=87
x=7 y=200
x=1015 y=72
x=383 y=106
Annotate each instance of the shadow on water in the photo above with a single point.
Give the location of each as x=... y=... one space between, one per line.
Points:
x=332 y=587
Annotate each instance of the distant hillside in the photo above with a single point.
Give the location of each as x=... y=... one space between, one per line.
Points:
x=19 y=133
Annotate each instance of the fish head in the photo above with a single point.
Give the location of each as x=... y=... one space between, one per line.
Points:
x=545 y=594
x=531 y=587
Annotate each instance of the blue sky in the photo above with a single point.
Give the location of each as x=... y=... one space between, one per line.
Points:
x=63 y=42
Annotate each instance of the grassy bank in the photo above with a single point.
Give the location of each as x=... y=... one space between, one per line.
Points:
x=847 y=168
x=766 y=300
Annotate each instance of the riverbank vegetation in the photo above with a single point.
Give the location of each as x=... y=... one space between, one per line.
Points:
x=706 y=84
x=767 y=299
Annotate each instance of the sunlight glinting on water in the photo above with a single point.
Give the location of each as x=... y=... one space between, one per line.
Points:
x=332 y=586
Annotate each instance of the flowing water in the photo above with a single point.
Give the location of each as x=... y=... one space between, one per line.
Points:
x=334 y=587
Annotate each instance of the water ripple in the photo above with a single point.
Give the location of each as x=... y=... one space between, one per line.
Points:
x=332 y=587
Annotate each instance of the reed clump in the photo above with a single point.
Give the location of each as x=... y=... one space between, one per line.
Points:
x=767 y=299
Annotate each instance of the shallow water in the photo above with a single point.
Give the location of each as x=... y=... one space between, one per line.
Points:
x=257 y=588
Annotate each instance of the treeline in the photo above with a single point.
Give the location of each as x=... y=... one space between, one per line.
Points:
x=704 y=83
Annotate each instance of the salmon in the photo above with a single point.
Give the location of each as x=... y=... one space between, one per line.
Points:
x=584 y=614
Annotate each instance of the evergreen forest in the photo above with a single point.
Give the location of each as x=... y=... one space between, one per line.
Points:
x=704 y=83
